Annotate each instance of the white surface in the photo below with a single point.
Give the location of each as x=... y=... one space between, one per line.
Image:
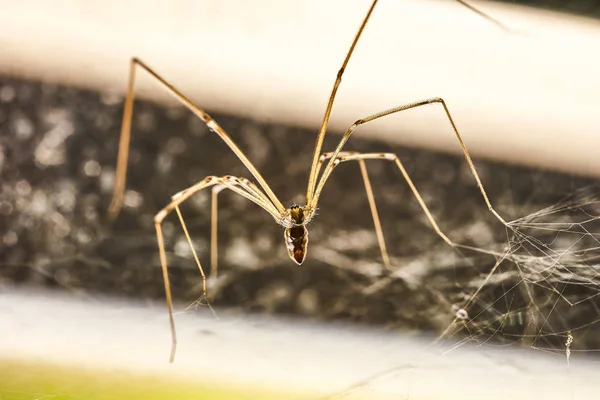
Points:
x=312 y=358
x=529 y=97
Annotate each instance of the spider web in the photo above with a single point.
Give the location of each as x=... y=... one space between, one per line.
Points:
x=543 y=290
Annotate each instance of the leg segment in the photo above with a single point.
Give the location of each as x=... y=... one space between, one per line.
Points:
x=335 y=159
x=214 y=255
x=252 y=189
x=121 y=173
x=376 y=221
x=312 y=180
x=240 y=186
x=360 y=158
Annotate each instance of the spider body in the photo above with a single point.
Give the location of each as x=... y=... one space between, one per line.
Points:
x=295 y=233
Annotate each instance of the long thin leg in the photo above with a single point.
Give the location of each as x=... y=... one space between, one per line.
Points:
x=251 y=188
x=334 y=159
x=241 y=186
x=229 y=182
x=191 y=244
x=121 y=173
x=214 y=251
x=258 y=197
x=370 y=197
x=312 y=180
x=248 y=190
x=374 y=213
x=360 y=157
x=484 y=15
x=321 y=136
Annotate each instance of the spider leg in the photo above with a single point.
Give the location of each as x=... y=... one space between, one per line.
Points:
x=334 y=160
x=312 y=180
x=121 y=172
x=360 y=158
x=240 y=186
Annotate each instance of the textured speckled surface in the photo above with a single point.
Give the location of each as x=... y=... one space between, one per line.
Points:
x=55 y=232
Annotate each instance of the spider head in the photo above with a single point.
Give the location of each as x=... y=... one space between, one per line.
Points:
x=296 y=234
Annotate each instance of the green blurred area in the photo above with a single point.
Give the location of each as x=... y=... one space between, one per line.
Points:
x=21 y=380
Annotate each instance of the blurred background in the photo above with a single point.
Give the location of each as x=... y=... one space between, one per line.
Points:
x=524 y=99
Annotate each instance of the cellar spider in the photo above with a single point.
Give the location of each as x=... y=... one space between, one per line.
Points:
x=294 y=218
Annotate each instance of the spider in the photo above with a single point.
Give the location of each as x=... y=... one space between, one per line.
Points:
x=295 y=218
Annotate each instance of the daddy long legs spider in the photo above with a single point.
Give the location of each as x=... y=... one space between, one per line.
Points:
x=295 y=218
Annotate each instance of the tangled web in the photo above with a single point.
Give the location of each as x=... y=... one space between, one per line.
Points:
x=544 y=288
